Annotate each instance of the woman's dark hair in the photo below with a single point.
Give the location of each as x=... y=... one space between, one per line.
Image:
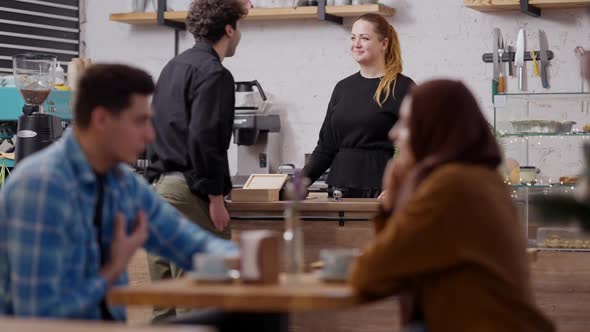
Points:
x=110 y=86
x=207 y=19
x=447 y=126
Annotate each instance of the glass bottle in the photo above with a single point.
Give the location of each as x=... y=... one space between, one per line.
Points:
x=293 y=235
x=293 y=245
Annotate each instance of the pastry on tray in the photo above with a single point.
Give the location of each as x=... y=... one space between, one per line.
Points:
x=543 y=126
x=554 y=241
x=568 y=179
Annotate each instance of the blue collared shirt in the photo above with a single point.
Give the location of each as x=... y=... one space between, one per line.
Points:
x=49 y=258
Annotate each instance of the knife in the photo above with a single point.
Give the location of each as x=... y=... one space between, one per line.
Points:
x=509 y=51
x=501 y=78
x=519 y=58
x=495 y=47
x=544 y=58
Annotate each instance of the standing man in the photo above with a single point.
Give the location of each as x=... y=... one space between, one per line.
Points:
x=73 y=214
x=194 y=113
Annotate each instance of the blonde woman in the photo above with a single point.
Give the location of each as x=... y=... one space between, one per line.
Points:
x=364 y=106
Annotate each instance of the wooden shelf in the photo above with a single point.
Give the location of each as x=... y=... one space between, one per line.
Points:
x=500 y=5
x=260 y=14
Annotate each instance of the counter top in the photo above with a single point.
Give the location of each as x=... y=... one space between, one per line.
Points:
x=365 y=205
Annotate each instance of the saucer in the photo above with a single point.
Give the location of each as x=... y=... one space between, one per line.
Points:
x=205 y=277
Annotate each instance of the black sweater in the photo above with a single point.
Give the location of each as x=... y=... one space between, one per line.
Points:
x=353 y=140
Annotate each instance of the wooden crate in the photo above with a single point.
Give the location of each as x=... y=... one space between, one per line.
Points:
x=260 y=188
x=254 y=195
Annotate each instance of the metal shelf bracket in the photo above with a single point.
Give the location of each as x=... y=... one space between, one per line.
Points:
x=323 y=16
x=527 y=8
x=177 y=26
x=340 y=218
x=162 y=5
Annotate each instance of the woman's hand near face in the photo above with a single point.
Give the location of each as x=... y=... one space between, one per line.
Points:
x=395 y=175
x=393 y=178
x=398 y=167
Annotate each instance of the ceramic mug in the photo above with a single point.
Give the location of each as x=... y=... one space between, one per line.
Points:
x=210 y=265
x=337 y=261
x=528 y=174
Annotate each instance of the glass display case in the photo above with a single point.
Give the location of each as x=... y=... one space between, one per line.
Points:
x=541 y=136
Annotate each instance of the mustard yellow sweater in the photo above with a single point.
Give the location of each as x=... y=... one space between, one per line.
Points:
x=459 y=244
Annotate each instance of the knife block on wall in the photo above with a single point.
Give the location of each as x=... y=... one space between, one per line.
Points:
x=509 y=56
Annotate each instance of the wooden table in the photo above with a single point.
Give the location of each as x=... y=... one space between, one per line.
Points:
x=308 y=294
x=276 y=301
x=37 y=325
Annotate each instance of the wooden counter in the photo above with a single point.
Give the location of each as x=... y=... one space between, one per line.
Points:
x=561 y=279
x=363 y=208
x=326 y=224
x=561 y=283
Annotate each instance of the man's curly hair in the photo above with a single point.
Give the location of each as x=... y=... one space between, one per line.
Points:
x=207 y=19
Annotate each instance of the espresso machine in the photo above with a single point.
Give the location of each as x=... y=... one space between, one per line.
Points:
x=258 y=152
x=34 y=77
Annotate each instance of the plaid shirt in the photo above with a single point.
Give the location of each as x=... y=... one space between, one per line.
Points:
x=49 y=258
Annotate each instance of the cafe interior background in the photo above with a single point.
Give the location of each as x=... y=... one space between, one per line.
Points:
x=298 y=62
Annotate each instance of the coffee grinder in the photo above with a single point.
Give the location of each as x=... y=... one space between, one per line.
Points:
x=34 y=76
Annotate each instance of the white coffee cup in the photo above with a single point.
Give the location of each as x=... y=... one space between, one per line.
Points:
x=528 y=174
x=337 y=261
x=210 y=265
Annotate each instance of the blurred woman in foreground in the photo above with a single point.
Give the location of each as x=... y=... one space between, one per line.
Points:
x=448 y=237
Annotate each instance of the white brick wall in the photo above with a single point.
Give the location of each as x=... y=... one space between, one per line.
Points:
x=298 y=62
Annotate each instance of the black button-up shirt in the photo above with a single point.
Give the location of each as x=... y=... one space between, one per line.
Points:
x=193 y=117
